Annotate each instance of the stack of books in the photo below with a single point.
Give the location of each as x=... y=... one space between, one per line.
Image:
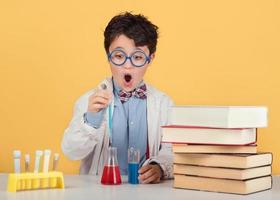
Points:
x=215 y=148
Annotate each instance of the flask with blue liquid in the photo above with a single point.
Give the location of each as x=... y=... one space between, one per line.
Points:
x=133 y=165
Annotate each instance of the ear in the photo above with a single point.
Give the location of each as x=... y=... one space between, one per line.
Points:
x=152 y=56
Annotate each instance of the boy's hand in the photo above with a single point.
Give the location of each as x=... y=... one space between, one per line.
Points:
x=150 y=174
x=99 y=100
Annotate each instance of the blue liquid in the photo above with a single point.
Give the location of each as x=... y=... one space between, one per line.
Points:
x=133 y=173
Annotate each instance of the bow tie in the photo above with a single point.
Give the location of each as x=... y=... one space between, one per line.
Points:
x=140 y=92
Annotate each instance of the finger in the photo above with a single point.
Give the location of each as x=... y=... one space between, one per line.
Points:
x=156 y=181
x=154 y=172
x=100 y=93
x=93 y=106
x=147 y=174
x=151 y=179
x=143 y=169
x=97 y=103
x=104 y=93
x=99 y=106
x=99 y=96
x=100 y=100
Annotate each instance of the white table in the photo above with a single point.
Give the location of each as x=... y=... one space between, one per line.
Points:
x=89 y=187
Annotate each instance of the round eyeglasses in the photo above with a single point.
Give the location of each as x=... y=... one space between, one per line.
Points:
x=137 y=58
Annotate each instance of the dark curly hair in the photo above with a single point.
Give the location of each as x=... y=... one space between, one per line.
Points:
x=135 y=27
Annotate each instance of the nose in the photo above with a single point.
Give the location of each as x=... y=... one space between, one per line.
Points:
x=128 y=64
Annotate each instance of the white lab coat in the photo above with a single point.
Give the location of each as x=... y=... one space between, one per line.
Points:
x=83 y=142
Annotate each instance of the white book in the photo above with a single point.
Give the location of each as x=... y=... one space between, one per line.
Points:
x=214 y=136
x=219 y=116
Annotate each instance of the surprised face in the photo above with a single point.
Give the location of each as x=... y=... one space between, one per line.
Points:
x=127 y=76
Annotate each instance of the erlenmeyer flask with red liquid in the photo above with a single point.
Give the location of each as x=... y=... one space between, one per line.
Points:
x=111 y=171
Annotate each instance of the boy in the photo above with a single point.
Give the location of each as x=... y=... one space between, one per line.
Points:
x=123 y=111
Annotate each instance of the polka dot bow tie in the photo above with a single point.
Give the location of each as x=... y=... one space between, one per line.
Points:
x=140 y=92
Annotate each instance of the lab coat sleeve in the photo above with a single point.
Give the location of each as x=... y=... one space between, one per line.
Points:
x=80 y=138
x=165 y=154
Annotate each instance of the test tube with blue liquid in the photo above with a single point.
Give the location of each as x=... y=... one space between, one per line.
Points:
x=133 y=165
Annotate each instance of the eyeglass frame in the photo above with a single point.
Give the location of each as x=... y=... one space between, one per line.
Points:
x=148 y=58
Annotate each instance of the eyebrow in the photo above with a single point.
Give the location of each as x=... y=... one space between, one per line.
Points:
x=119 y=48
x=137 y=48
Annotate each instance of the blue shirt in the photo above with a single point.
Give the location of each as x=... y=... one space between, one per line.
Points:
x=129 y=126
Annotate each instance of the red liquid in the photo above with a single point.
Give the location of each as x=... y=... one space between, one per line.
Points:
x=111 y=175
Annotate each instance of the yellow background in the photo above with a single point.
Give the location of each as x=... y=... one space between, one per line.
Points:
x=209 y=53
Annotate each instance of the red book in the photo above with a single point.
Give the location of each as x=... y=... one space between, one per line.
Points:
x=206 y=135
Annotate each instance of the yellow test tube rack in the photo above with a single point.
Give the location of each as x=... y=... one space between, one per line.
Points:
x=33 y=181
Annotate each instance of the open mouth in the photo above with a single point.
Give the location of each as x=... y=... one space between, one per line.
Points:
x=127 y=78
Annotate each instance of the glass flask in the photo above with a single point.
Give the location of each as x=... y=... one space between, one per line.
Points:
x=133 y=165
x=111 y=171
